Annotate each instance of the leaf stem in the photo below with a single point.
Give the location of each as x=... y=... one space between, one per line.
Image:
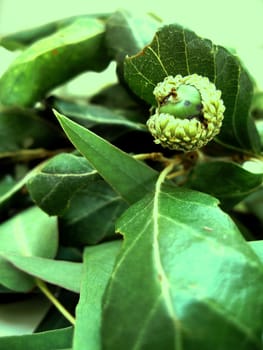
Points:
x=156 y=156
x=44 y=289
x=163 y=175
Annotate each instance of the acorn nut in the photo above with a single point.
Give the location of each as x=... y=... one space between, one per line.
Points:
x=189 y=112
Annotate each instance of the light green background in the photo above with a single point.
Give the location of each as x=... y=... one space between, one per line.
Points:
x=232 y=23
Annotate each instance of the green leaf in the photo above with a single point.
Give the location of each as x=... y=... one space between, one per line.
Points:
x=61 y=273
x=128 y=176
x=68 y=186
x=98 y=264
x=53 y=60
x=57 y=339
x=184 y=279
x=24 y=129
x=91 y=116
x=20 y=40
x=127 y=33
x=228 y=182
x=176 y=50
x=30 y=233
x=82 y=222
x=257 y=247
x=58 y=180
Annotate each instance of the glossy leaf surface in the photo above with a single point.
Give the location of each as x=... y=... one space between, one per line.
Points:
x=22 y=39
x=52 y=61
x=180 y=278
x=55 y=184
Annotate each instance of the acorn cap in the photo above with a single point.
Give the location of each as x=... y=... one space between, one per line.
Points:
x=189 y=112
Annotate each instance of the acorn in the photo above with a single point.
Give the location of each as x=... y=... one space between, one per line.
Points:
x=189 y=112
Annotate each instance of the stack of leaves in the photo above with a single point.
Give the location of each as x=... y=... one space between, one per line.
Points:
x=135 y=246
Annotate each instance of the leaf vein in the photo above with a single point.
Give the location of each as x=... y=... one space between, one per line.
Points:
x=186 y=54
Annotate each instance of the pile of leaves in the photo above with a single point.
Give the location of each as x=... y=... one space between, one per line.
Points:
x=135 y=246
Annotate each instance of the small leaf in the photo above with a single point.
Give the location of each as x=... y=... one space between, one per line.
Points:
x=128 y=177
x=82 y=222
x=61 y=273
x=98 y=264
x=53 y=187
x=57 y=339
x=53 y=60
x=30 y=233
x=184 y=277
x=176 y=50
x=228 y=182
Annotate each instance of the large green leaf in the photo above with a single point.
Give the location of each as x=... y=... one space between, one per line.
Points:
x=58 y=339
x=65 y=274
x=82 y=223
x=58 y=180
x=53 y=60
x=176 y=50
x=128 y=176
x=98 y=264
x=29 y=233
x=24 y=129
x=229 y=182
x=185 y=278
x=22 y=39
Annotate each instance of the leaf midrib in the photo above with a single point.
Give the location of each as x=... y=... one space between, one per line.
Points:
x=165 y=286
